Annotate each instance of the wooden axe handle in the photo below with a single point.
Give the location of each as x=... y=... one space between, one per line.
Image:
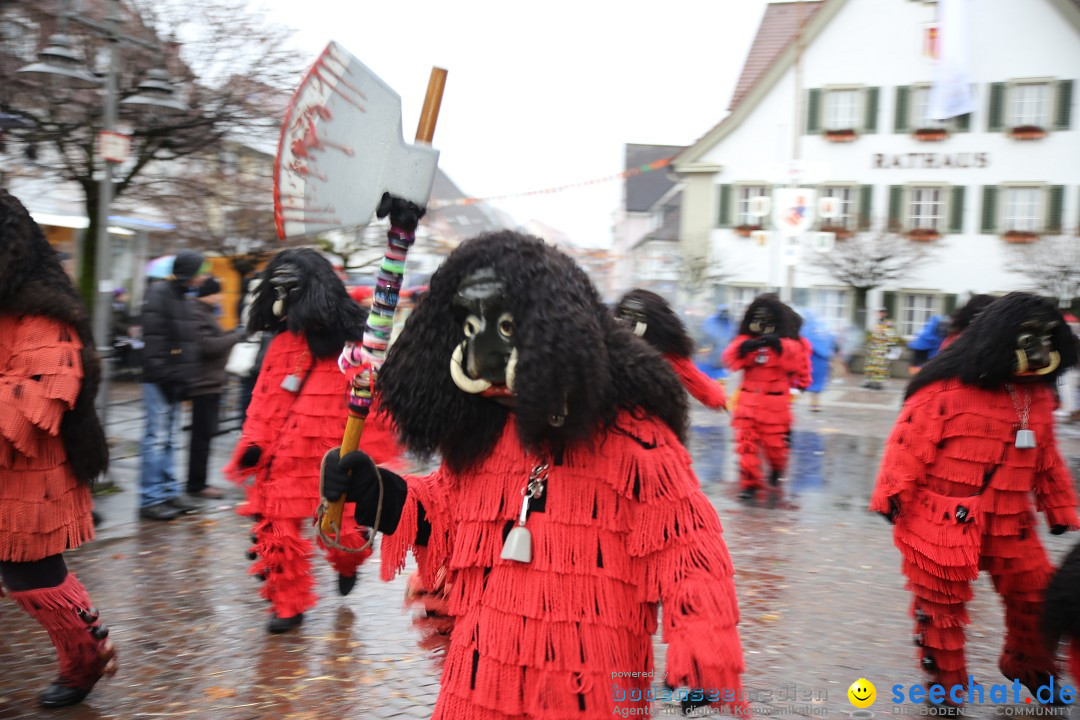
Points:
x=331 y=520
x=425 y=131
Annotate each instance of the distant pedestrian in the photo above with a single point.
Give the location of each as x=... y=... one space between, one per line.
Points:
x=205 y=392
x=52 y=448
x=823 y=349
x=879 y=352
x=928 y=342
x=170 y=366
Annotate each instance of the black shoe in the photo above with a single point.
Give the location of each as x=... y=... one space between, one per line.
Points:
x=60 y=695
x=345 y=584
x=774 y=479
x=280 y=624
x=161 y=511
x=183 y=505
x=748 y=494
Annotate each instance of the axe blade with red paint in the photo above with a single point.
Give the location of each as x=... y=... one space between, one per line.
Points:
x=341 y=148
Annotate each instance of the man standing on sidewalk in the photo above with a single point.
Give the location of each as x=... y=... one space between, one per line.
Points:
x=170 y=366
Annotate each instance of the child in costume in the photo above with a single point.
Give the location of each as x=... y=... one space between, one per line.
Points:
x=772 y=362
x=650 y=317
x=52 y=448
x=296 y=414
x=565 y=509
x=973 y=443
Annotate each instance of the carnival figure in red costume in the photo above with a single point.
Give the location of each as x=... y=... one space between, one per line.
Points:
x=52 y=448
x=565 y=509
x=769 y=358
x=296 y=415
x=651 y=318
x=973 y=443
x=1061 y=619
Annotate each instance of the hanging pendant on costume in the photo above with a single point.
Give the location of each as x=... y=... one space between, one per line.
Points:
x=292 y=383
x=1025 y=437
x=518 y=544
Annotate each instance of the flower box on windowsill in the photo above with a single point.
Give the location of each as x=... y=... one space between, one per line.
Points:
x=1020 y=237
x=923 y=235
x=746 y=230
x=930 y=134
x=841 y=135
x=1027 y=132
x=841 y=233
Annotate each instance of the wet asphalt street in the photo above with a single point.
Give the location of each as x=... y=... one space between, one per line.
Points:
x=820 y=593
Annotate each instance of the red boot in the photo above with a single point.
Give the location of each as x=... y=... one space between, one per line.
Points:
x=85 y=654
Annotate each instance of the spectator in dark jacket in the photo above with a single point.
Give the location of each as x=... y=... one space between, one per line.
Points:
x=170 y=366
x=205 y=393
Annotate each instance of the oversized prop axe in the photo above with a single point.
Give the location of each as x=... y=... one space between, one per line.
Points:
x=341 y=153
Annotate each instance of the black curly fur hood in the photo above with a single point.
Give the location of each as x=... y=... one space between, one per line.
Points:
x=984 y=354
x=570 y=349
x=32 y=282
x=322 y=309
x=664 y=329
x=788 y=322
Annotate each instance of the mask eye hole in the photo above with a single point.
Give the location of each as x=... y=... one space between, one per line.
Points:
x=472 y=326
x=1024 y=340
x=506 y=326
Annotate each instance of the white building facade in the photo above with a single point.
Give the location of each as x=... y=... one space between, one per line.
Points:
x=844 y=88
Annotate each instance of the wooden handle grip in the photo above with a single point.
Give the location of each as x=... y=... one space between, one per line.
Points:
x=354 y=428
x=425 y=131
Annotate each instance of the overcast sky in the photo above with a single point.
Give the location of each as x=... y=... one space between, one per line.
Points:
x=546 y=93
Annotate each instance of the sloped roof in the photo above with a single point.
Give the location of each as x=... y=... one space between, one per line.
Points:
x=642 y=191
x=779 y=27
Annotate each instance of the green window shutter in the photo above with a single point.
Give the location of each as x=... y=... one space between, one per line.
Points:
x=995 y=118
x=896 y=199
x=870 y=97
x=956 y=209
x=813 y=111
x=962 y=123
x=989 y=209
x=888 y=301
x=866 y=199
x=1055 y=206
x=724 y=217
x=1063 y=114
x=950 y=304
x=900 y=122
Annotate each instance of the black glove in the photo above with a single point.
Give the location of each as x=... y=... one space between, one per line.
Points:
x=749 y=346
x=773 y=341
x=403 y=214
x=894 y=510
x=250 y=458
x=354 y=476
x=1058 y=529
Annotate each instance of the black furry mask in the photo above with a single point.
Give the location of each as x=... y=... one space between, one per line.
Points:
x=768 y=315
x=662 y=327
x=572 y=355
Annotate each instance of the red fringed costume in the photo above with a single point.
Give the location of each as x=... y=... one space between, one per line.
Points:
x=44 y=508
x=294 y=431
x=624 y=527
x=964 y=492
x=762 y=417
x=708 y=392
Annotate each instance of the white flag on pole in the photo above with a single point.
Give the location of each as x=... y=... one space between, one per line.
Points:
x=951 y=94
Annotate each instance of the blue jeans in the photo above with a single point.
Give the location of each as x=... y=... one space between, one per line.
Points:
x=158 y=481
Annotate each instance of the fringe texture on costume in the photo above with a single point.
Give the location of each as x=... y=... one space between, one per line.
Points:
x=708 y=392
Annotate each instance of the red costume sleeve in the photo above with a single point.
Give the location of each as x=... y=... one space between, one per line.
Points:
x=684 y=564
x=732 y=358
x=431 y=496
x=803 y=375
x=39 y=382
x=1055 y=494
x=709 y=392
x=910 y=449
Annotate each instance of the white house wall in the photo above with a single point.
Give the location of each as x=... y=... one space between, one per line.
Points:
x=878 y=43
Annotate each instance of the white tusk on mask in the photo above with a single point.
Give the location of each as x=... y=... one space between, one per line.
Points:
x=279 y=307
x=463 y=381
x=511 y=370
x=1055 y=361
x=639 y=329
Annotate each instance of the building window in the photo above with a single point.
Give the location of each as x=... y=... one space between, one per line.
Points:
x=842 y=109
x=845 y=216
x=915 y=311
x=833 y=308
x=920 y=110
x=926 y=208
x=1029 y=105
x=743 y=216
x=741 y=297
x=1023 y=209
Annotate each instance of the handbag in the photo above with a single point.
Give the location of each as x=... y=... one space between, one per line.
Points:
x=242 y=358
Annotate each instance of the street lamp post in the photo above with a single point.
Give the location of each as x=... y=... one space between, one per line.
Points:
x=59 y=62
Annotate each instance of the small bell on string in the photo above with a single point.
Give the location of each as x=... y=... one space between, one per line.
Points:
x=1025 y=439
x=518 y=545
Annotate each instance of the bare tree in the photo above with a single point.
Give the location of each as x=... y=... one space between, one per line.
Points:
x=1051 y=266
x=361 y=248
x=699 y=274
x=869 y=260
x=235 y=67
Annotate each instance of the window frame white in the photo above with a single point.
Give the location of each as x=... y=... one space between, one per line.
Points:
x=858 y=111
x=837 y=322
x=1049 y=102
x=739 y=214
x=1004 y=222
x=908 y=329
x=847 y=221
x=909 y=199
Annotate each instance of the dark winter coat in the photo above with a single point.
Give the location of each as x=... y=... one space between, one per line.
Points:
x=214 y=347
x=171 y=334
